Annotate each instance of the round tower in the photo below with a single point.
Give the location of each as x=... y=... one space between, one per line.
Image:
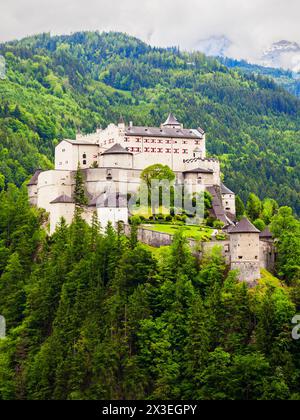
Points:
x=117 y=157
x=244 y=251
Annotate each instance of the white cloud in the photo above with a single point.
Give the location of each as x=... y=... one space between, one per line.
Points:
x=250 y=25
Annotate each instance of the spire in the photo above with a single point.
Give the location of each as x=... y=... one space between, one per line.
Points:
x=171 y=120
x=225 y=190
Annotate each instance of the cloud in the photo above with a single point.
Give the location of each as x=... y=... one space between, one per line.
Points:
x=249 y=25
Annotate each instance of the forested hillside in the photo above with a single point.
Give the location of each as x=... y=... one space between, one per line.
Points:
x=288 y=79
x=58 y=85
x=94 y=315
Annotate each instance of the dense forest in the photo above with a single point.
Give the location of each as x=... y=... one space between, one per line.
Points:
x=97 y=315
x=288 y=79
x=58 y=85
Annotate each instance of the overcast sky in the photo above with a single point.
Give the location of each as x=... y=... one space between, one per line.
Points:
x=251 y=25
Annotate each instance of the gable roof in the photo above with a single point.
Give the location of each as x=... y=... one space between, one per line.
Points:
x=80 y=142
x=199 y=171
x=225 y=190
x=171 y=120
x=244 y=226
x=116 y=149
x=35 y=177
x=62 y=199
x=168 y=132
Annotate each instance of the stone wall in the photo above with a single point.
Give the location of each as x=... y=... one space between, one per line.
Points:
x=158 y=239
x=248 y=269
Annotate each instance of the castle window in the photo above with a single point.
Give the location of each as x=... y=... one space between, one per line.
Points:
x=184 y=142
x=84 y=156
x=160 y=141
x=153 y=149
x=153 y=141
x=63 y=150
x=168 y=150
x=84 y=162
x=176 y=150
x=159 y=150
x=256 y=257
x=126 y=139
x=197 y=142
x=168 y=141
x=147 y=149
x=185 y=151
x=240 y=258
x=138 y=140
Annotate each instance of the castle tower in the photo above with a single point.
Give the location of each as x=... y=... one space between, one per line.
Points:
x=62 y=206
x=244 y=251
x=117 y=157
x=228 y=200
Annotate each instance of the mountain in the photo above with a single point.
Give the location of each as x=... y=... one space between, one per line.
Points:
x=282 y=54
x=215 y=46
x=58 y=85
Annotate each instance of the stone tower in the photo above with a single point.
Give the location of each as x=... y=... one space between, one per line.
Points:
x=244 y=251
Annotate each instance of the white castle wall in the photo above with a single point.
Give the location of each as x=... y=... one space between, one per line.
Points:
x=52 y=184
x=59 y=210
x=113 y=215
x=117 y=161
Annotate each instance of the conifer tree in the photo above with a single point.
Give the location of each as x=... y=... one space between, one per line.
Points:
x=79 y=195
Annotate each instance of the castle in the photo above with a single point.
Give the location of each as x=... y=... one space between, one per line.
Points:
x=117 y=155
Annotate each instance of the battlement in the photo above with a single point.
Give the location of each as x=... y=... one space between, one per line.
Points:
x=198 y=159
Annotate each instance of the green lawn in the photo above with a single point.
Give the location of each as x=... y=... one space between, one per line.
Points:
x=193 y=232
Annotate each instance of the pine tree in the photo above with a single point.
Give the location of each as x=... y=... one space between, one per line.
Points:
x=239 y=207
x=79 y=195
